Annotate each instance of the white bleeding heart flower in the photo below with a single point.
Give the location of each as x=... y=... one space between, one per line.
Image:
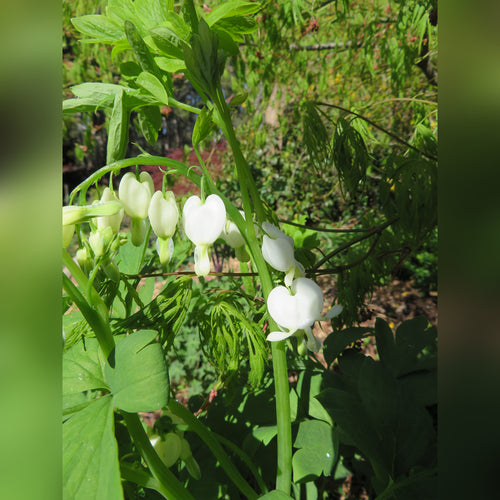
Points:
x=112 y=221
x=163 y=214
x=135 y=196
x=278 y=252
x=203 y=224
x=296 y=309
x=232 y=235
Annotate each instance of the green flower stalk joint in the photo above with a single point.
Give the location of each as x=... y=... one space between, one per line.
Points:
x=278 y=252
x=135 y=196
x=163 y=216
x=203 y=224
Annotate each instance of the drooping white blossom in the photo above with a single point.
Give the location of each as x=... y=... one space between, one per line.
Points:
x=296 y=309
x=278 y=252
x=163 y=216
x=135 y=196
x=203 y=224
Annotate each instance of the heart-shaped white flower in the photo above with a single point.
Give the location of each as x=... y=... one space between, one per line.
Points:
x=135 y=195
x=203 y=224
x=163 y=214
x=294 y=309
x=278 y=252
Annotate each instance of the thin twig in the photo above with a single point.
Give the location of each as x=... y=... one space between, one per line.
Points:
x=325 y=229
x=375 y=230
x=395 y=137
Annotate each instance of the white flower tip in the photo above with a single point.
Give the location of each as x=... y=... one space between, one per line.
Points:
x=334 y=311
x=276 y=336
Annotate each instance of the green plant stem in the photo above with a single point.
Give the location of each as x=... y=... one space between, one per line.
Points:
x=280 y=370
x=278 y=349
x=95 y=314
x=245 y=459
x=211 y=441
x=172 y=488
x=142 y=478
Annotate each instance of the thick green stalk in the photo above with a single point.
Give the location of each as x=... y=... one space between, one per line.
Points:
x=211 y=441
x=280 y=370
x=171 y=487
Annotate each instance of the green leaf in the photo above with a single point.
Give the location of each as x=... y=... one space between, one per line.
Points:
x=265 y=434
x=336 y=342
x=386 y=346
x=129 y=258
x=203 y=126
x=230 y=9
x=152 y=12
x=83 y=366
x=152 y=85
x=90 y=454
x=165 y=313
x=141 y=50
x=350 y=156
x=348 y=412
x=118 y=130
x=167 y=42
x=149 y=120
x=316 y=453
x=100 y=28
x=139 y=379
x=275 y=495
x=170 y=65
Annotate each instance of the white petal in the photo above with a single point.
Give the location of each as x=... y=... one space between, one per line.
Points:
x=275 y=336
x=278 y=253
x=203 y=224
x=334 y=311
x=275 y=232
x=163 y=214
x=309 y=299
x=283 y=308
x=134 y=195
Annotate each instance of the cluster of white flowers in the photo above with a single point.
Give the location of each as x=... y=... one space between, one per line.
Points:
x=295 y=307
x=298 y=305
x=203 y=222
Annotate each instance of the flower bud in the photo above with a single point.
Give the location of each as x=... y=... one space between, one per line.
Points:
x=135 y=195
x=169 y=448
x=100 y=241
x=163 y=214
x=232 y=235
x=84 y=260
x=113 y=221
